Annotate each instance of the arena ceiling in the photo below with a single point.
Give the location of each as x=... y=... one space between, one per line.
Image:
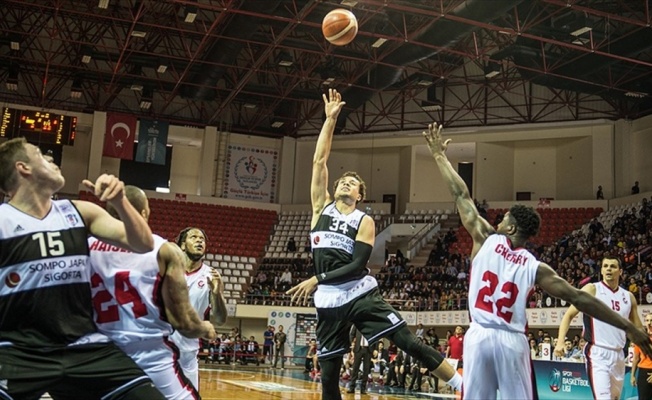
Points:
x=260 y=66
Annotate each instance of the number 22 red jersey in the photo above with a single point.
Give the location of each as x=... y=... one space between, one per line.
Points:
x=501 y=280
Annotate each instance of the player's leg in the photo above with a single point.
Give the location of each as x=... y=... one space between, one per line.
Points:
x=27 y=374
x=376 y=319
x=617 y=374
x=333 y=340
x=159 y=361
x=190 y=366
x=598 y=368
x=513 y=364
x=102 y=371
x=480 y=375
x=330 y=377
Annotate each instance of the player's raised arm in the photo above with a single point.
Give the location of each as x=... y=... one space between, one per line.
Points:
x=174 y=291
x=130 y=232
x=218 y=302
x=477 y=226
x=319 y=195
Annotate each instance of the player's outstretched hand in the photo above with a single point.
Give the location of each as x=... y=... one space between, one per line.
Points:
x=333 y=103
x=106 y=187
x=641 y=339
x=436 y=143
x=301 y=292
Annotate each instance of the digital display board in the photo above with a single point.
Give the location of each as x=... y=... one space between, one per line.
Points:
x=38 y=126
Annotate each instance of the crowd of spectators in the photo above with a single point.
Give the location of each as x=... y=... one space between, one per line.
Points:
x=275 y=277
x=442 y=283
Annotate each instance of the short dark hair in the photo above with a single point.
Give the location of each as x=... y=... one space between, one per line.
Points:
x=181 y=237
x=609 y=256
x=135 y=196
x=363 y=186
x=11 y=151
x=527 y=220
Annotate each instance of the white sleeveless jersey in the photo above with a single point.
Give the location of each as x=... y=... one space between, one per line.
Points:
x=501 y=279
x=126 y=290
x=199 y=290
x=600 y=333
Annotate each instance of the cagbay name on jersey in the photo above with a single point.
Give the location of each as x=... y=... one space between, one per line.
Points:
x=332 y=240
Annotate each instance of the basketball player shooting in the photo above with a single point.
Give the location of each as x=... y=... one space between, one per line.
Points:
x=503 y=274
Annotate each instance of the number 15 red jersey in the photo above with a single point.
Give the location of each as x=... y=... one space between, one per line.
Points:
x=501 y=280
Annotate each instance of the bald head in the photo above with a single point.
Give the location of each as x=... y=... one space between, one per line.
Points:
x=137 y=198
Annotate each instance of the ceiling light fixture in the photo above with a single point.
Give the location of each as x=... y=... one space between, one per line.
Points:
x=12 y=78
x=162 y=68
x=581 y=31
x=492 y=69
x=76 y=88
x=103 y=4
x=191 y=14
x=146 y=98
x=14 y=42
x=139 y=31
x=250 y=106
x=379 y=43
x=637 y=95
x=277 y=124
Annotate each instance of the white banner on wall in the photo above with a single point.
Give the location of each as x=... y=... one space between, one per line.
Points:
x=251 y=173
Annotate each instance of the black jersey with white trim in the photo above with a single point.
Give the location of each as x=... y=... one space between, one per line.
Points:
x=45 y=297
x=333 y=239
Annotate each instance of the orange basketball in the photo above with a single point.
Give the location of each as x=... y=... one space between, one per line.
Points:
x=339 y=27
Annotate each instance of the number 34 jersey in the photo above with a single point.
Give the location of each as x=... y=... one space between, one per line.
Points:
x=500 y=283
x=126 y=290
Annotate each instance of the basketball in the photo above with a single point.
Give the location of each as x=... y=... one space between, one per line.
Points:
x=340 y=27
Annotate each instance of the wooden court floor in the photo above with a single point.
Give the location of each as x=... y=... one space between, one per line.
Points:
x=253 y=383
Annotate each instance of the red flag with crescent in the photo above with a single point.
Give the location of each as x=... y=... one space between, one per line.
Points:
x=119 y=136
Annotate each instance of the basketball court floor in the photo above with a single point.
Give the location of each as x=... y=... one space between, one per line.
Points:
x=229 y=383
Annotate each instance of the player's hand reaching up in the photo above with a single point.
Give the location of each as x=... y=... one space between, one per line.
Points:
x=106 y=187
x=333 y=103
x=436 y=143
x=641 y=339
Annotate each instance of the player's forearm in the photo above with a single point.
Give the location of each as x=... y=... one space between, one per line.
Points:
x=564 y=325
x=361 y=254
x=137 y=231
x=323 y=148
x=218 y=310
x=456 y=185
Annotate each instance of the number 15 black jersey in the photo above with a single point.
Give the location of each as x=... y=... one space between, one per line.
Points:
x=45 y=297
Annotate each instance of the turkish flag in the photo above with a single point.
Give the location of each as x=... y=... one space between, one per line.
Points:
x=119 y=136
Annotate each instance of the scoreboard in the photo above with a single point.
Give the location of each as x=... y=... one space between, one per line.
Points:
x=38 y=126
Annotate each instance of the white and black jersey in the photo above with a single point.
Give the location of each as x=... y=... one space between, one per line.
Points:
x=45 y=297
x=333 y=240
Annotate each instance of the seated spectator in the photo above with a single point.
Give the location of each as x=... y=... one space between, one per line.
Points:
x=291 y=245
x=312 y=365
x=251 y=351
x=569 y=350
